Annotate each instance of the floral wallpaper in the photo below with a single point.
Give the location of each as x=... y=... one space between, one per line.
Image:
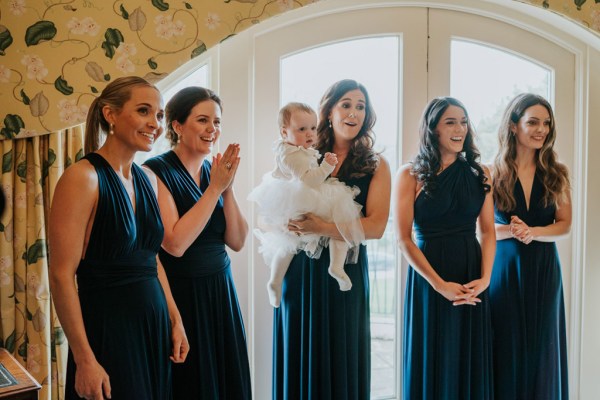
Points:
x=57 y=55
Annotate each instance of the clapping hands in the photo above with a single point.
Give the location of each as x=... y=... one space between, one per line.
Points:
x=224 y=167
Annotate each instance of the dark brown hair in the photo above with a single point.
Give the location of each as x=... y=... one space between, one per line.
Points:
x=427 y=163
x=361 y=159
x=180 y=106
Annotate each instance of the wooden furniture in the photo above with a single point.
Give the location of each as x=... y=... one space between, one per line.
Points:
x=26 y=388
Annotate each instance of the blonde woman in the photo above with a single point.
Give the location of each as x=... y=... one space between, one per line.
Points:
x=105 y=231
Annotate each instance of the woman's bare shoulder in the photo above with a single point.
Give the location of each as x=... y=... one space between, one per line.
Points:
x=79 y=176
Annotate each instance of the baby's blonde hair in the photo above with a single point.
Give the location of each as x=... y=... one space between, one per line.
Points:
x=285 y=114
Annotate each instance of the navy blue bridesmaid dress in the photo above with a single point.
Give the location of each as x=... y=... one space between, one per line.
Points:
x=528 y=312
x=447 y=349
x=321 y=335
x=122 y=302
x=217 y=365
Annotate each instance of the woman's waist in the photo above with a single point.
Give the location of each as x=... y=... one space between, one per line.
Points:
x=96 y=274
x=516 y=245
x=423 y=233
x=196 y=263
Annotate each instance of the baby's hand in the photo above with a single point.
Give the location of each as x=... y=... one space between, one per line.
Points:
x=331 y=159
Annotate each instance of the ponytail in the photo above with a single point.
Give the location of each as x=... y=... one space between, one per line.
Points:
x=92 y=127
x=114 y=95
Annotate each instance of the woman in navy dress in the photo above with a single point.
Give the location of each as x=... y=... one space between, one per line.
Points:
x=444 y=194
x=321 y=335
x=201 y=216
x=533 y=210
x=120 y=319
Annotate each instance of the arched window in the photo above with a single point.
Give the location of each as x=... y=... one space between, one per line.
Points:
x=405 y=55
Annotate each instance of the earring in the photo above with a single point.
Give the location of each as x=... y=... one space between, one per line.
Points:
x=330 y=124
x=111 y=130
x=178 y=139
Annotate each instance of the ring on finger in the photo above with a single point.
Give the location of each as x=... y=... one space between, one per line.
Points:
x=228 y=165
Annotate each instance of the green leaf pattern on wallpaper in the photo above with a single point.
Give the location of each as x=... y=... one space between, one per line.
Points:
x=5 y=39
x=57 y=55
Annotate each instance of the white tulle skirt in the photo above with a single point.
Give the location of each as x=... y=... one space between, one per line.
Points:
x=279 y=201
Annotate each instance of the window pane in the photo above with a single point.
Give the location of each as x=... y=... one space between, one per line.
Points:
x=485 y=79
x=374 y=62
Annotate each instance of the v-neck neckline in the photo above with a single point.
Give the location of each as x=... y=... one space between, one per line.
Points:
x=527 y=201
x=187 y=173
x=133 y=204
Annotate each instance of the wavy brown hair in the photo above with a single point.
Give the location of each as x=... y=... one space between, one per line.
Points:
x=361 y=159
x=427 y=163
x=554 y=175
x=114 y=95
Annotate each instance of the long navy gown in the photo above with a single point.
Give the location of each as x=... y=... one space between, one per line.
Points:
x=528 y=312
x=217 y=365
x=122 y=302
x=447 y=349
x=321 y=335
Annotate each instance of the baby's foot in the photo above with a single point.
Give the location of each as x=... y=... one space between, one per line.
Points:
x=274 y=291
x=342 y=279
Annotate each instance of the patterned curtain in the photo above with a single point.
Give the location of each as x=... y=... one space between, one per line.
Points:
x=29 y=328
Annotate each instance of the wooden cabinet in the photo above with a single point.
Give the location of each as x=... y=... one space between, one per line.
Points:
x=25 y=388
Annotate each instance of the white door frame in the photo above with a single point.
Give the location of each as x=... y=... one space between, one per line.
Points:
x=243 y=53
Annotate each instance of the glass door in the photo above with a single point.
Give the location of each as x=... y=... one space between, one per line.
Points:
x=405 y=56
x=368 y=46
x=484 y=63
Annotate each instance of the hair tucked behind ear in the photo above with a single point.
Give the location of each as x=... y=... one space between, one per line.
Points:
x=554 y=175
x=114 y=95
x=181 y=104
x=361 y=158
x=427 y=163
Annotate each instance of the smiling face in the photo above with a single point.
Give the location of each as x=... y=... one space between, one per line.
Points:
x=348 y=115
x=140 y=121
x=452 y=131
x=533 y=128
x=201 y=129
x=301 y=129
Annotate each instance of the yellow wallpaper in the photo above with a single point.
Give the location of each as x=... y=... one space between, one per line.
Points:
x=55 y=56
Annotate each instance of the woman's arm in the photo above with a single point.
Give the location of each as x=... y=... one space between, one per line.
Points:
x=237 y=226
x=180 y=232
x=559 y=229
x=487 y=234
x=179 y=340
x=502 y=232
x=71 y=215
x=377 y=210
x=405 y=196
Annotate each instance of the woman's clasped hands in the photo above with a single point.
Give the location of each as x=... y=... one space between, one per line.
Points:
x=520 y=230
x=462 y=294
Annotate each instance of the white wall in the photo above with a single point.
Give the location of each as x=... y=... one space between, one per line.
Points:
x=590 y=343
